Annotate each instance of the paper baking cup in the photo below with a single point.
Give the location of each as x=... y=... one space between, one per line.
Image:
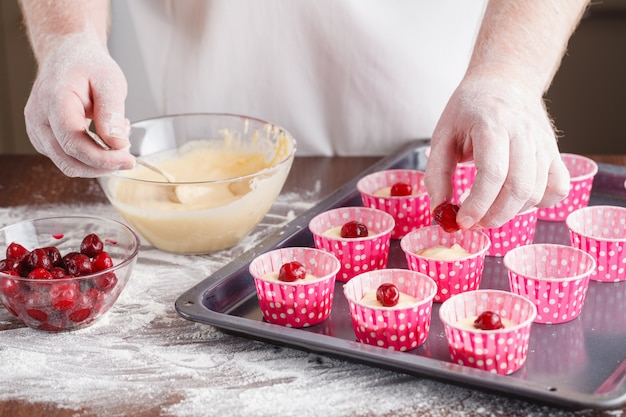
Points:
x=356 y=255
x=462 y=179
x=582 y=170
x=395 y=328
x=554 y=277
x=295 y=304
x=601 y=232
x=409 y=212
x=501 y=351
x=518 y=231
x=451 y=276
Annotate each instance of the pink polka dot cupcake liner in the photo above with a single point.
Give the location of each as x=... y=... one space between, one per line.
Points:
x=601 y=232
x=295 y=304
x=554 y=277
x=463 y=178
x=518 y=231
x=356 y=255
x=452 y=276
x=409 y=212
x=582 y=171
x=501 y=351
x=396 y=328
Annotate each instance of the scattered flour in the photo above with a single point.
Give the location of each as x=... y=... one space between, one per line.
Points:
x=142 y=358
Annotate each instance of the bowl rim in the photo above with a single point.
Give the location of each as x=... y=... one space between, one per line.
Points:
x=130 y=258
x=285 y=160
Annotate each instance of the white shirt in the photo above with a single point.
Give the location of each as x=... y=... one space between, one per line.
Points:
x=345 y=77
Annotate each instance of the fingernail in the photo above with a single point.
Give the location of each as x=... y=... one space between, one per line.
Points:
x=466 y=223
x=117 y=126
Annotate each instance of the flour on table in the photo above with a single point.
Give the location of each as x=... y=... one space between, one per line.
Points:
x=143 y=358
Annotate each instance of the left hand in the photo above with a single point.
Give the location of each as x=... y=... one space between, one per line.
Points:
x=506 y=129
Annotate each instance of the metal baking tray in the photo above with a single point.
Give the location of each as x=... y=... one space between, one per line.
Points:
x=579 y=364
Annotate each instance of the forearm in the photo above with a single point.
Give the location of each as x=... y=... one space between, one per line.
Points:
x=525 y=40
x=48 y=21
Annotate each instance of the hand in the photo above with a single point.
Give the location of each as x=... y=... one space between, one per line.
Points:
x=505 y=128
x=78 y=81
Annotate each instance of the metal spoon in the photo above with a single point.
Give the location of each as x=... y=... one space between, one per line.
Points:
x=168 y=177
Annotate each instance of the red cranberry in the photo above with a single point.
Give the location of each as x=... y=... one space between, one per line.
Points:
x=105 y=281
x=101 y=261
x=59 y=272
x=16 y=251
x=91 y=245
x=488 y=320
x=387 y=294
x=63 y=295
x=54 y=255
x=40 y=273
x=9 y=265
x=291 y=271
x=82 y=308
x=445 y=216
x=77 y=264
x=354 y=229
x=9 y=287
x=401 y=189
x=38 y=258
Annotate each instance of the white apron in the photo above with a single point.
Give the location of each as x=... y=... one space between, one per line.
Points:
x=345 y=77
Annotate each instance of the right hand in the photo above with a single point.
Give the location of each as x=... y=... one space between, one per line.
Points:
x=77 y=82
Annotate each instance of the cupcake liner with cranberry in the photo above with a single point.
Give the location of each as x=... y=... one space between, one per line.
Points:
x=452 y=276
x=502 y=351
x=582 y=171
x=400 y=327
x=297 y=303
x=409 y=211
x=600 y=231
x=355 y=254
x=518 y=231
x=554 y=277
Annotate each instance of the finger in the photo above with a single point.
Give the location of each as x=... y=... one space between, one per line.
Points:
x=67 y=127
x=45 y=142
x=491 y=157
x=440 y=167
x=108 y=116
x=558 y=183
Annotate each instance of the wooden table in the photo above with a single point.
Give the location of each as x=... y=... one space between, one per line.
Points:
x=32 y=181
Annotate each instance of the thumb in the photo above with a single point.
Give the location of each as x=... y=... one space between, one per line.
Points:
x=108 y=113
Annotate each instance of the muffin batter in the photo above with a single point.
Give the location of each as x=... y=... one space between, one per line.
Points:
x=369 y=299
x=210 y=212
x=456 y=251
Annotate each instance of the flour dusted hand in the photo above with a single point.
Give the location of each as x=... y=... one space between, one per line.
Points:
x=508 y=133
x=78 y=82
x=497 y=115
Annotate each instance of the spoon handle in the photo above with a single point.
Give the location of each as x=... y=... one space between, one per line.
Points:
x=97 y=139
